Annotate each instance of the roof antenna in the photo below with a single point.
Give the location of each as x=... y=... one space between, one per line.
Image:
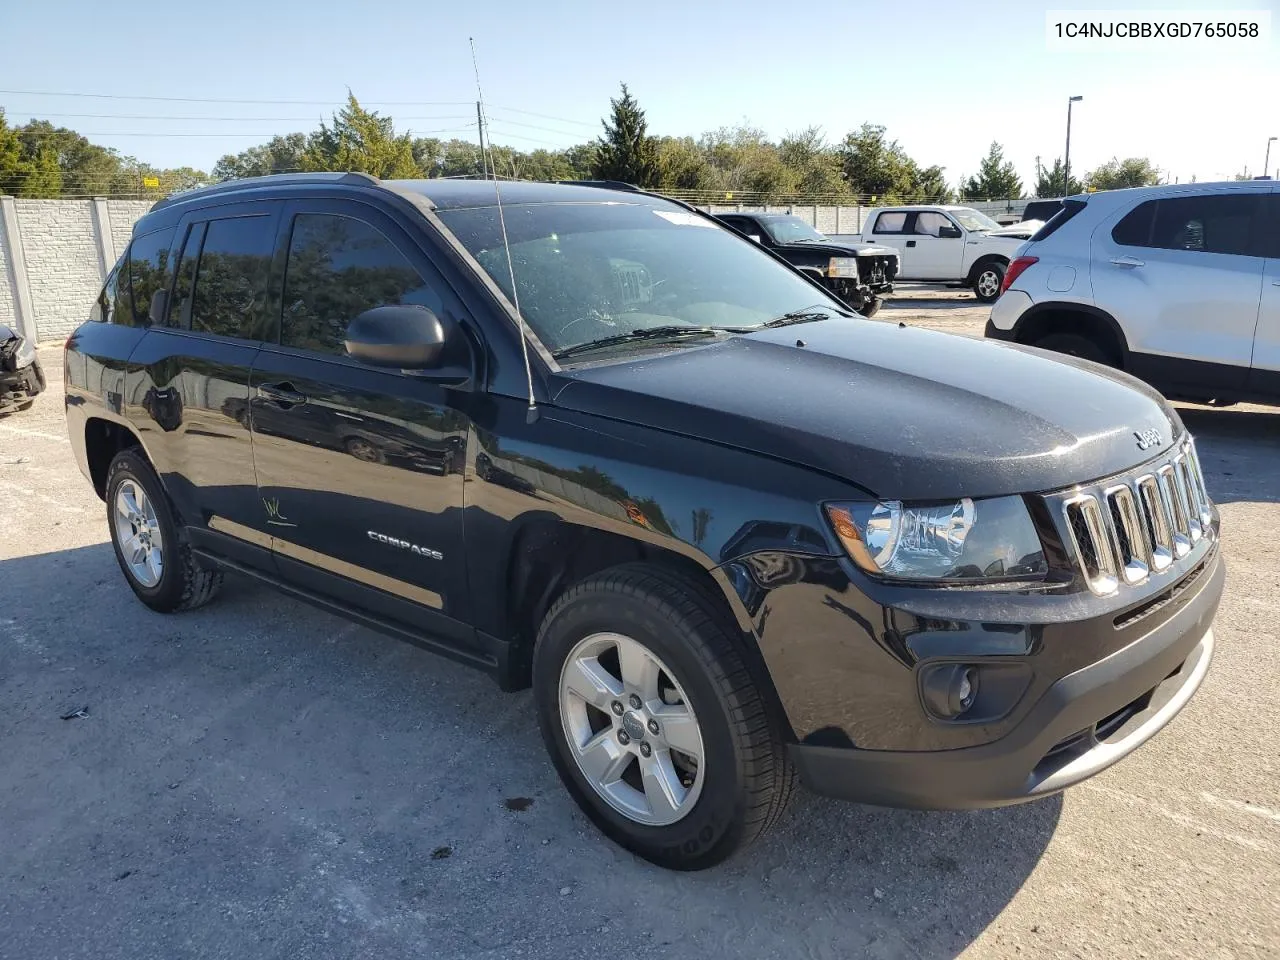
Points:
x=531 y=414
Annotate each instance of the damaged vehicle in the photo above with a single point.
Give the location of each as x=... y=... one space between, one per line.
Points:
x=860 y=274
x=21 y=378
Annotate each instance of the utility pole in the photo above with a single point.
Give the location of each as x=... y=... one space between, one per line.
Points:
x=1267 y=162
x=1066 y=160
x=484 y=165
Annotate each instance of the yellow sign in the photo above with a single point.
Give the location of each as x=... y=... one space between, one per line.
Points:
x=728 y=196
x=151 y=182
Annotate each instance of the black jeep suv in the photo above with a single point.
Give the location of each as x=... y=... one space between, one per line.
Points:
x=860 y=274
x=591 y=441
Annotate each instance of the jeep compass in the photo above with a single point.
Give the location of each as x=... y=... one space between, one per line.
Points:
x=590 y=441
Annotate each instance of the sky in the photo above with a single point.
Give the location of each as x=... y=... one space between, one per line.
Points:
x=944 y=78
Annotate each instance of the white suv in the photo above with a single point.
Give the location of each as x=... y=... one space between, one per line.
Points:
x=1178 y=285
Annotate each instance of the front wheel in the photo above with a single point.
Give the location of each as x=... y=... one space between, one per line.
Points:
x=871 y=307
x=653 y=720
x=986 y=284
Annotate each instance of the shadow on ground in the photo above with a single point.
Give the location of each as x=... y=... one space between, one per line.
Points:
x=260 y=779
x=1238 y=451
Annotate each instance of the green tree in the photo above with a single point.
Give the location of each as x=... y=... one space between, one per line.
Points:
x=874 y=166
x=1117 y=174
x=625 y=151
x=815 y=167
x=282 y=154
x=996 y=178
x=1049 y=181
x=360 y=140
x=744 y=160
x=681 y=165
x=930 y=184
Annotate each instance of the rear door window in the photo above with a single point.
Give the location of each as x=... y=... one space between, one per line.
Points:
x=149 y=273
x=339 y=267
x=1205 y=223
x=891 y=223
x=231 y=278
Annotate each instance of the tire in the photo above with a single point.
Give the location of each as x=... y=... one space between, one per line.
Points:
x=987 y=280
x=363 y=449
x=744 y=778
x=1075 y=345
x=871 y=307
x=178 y=581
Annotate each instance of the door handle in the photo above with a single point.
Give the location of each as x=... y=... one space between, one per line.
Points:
x=1127 y=262
x=281 y=393
x=911 y=243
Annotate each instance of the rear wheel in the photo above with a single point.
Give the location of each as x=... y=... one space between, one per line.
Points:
x=1075 y=345
x=653 y=720
x=153 y=551
x=871 y=307
x=987 y=281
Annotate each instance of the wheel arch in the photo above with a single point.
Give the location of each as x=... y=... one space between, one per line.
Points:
x=982 y=262
x=103 y=440
x=1057 y=316
x=548 y=554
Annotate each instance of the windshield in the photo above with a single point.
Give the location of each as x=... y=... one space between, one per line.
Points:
x=587 y=271
x=791 y=230
x=973 y=220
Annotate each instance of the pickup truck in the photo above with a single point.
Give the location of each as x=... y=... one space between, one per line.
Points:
x=857 y=272
x=944 y=244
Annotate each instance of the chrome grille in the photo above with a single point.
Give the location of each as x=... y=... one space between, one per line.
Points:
x=1138 y=526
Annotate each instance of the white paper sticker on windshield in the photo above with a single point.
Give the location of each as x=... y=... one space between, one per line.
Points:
x=683 y=218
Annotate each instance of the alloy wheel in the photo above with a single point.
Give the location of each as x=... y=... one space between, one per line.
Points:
x=631 y=729
x=138 y=534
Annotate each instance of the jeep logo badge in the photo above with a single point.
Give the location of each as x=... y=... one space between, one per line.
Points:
x=1147 y=438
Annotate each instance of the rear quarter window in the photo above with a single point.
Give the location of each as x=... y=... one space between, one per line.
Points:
x=1055 y=223
x=149 y=272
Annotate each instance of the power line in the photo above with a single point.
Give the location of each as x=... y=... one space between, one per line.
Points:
x=256 y=133
x=544 y=116
x=534 y=126
x=521 y=136
x=116 y=96
x=145 y=116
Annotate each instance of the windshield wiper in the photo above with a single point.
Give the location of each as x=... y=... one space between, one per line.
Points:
x=671 y=332
x=806 y=315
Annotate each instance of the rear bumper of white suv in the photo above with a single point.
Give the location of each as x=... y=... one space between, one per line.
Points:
x=1005 y=313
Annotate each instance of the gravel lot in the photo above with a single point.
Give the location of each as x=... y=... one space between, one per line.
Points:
x=258 y=779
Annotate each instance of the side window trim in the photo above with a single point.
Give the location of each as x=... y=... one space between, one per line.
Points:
x=270 y=209
x=376 y=219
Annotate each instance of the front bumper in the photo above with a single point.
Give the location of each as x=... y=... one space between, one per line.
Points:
x=1081 y=725
x=19 y=387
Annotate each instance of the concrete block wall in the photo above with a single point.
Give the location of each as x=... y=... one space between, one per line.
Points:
x=54 y=257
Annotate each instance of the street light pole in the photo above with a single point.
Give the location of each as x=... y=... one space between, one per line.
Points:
x=1066 y=162
x=1267 y=162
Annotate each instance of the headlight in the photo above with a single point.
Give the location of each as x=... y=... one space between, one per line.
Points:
x=967 y=540
x=843 y=267
x=26 y=353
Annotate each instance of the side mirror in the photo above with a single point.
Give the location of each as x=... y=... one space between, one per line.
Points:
x=159 y=304
x=949 y=232
x=402 y=336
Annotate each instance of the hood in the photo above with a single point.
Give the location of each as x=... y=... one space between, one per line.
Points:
x=842 y=249
x=903 y=412
x=1022 y=230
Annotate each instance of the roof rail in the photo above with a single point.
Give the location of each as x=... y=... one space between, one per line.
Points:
x=605 y=184
x=275 y=179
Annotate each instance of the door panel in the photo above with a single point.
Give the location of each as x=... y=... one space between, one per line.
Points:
x=359 y=468
x=188 y=389
x=1163 y=269
x=1265 y=376
x=934 y=257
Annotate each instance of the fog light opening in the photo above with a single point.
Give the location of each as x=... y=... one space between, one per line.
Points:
x=950 y=690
